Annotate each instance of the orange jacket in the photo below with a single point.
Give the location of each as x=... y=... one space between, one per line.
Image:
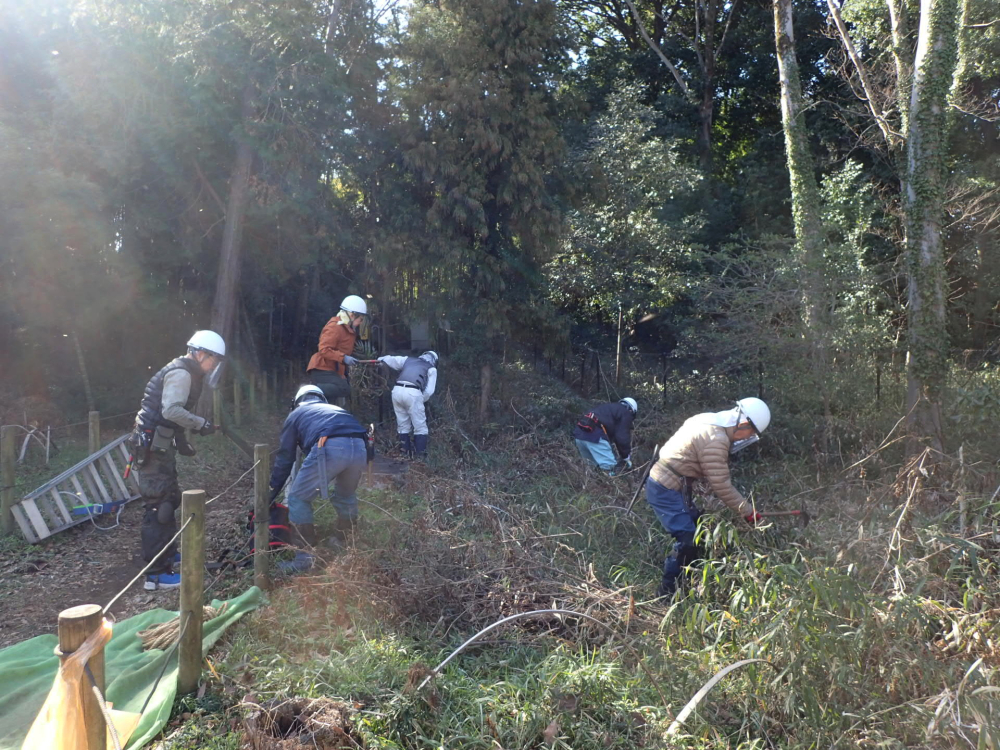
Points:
x=335 y=340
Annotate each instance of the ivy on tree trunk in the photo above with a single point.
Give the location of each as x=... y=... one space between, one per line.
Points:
x=806 y=202
x=927 y=141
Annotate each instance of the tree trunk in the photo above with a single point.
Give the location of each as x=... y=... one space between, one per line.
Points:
x=926 y=361
x=900 y=55
x=85 y=376
x=230 y=260
x=983 y=299
x=485 y=378
x=806 y=205
x=706 y=113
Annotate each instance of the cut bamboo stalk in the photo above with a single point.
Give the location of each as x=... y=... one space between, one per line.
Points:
x=262 y=516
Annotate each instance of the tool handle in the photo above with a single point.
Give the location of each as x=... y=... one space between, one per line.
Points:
x=645 y=475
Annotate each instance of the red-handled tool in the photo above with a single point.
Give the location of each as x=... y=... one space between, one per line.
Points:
x=803 y=516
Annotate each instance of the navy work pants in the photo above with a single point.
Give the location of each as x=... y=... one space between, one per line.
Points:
x=680 y=519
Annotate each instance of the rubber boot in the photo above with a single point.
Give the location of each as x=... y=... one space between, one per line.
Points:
x=404 y=444
x=420 y=447
x=343 y=533
x=303 y=534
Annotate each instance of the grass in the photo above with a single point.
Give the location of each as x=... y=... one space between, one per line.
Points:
x=877 y=623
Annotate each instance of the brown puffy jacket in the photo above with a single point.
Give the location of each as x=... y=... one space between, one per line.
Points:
x=335 y=340
x=700 y=451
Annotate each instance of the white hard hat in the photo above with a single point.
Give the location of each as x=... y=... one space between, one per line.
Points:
x=353 y=303
x=308 y=390
x=631 y=404
x=431 y=357
x=208 y=341
x=756 y=411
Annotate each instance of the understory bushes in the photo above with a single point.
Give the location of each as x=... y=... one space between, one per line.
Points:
x=875 y=626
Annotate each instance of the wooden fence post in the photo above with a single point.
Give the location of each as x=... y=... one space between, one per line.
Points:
x=192 y=590
x=237 y=407
x=95 y=431
x=8 y=462
x=253 y=394
x=75 y=626
x=262 y=516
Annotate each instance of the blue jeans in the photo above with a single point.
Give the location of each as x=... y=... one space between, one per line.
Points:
x=342 y=460
x=681 y=522
x=599 y=453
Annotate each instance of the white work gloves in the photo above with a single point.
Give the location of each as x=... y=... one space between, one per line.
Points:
x=349 y=360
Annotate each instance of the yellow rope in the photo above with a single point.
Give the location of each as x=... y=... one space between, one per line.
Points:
x=162 y=636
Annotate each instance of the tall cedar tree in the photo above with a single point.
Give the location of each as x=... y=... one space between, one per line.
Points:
x=482 y=137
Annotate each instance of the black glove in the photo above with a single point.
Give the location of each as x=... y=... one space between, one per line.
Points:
x=183 y=446
x=207 y=429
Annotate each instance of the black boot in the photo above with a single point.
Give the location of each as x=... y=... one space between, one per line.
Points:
x=420 y=446
x=404 y=444
x=303 y=537
x=666 y=589
x=343 y=533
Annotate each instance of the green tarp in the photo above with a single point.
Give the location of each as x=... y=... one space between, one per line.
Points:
x=28 y=669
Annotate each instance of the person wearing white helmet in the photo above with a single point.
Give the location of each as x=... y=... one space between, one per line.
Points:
x=700 y=449
x=166 y=413
x=333 y=442
x=602 y=426
x=328 y=367
x=415 y=385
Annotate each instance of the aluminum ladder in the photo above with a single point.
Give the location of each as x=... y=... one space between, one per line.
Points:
x=97 y=480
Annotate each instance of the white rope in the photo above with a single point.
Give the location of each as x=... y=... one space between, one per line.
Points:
x=148 y=566
x=209 y=502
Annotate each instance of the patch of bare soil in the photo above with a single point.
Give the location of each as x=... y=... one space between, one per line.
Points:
x=89 y=565
x=285 y=724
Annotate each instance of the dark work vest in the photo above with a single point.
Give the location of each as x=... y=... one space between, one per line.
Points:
x=150 y=413
x=415 y=371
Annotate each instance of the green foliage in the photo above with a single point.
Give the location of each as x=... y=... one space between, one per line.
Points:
x=480 y=139
x=630 y=241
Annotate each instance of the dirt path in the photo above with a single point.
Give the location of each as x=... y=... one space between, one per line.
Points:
x=87 y=565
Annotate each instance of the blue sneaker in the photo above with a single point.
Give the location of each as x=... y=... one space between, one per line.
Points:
x=161 y=581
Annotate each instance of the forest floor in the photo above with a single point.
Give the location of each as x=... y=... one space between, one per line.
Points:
x=90 y=565
x=875 y=627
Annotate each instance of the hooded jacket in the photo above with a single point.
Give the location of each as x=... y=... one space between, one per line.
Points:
x=699 y=450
